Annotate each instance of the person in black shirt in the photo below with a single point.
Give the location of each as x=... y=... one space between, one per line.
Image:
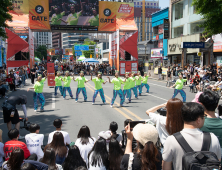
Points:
x=33 y=72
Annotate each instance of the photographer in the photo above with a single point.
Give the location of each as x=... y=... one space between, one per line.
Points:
x=169 y=124
x=10 y=112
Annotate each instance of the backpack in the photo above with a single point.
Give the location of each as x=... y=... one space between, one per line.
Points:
x=7 y=106
x=198 y=160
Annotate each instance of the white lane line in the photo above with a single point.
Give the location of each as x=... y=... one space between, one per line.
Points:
x=159 y=85
x=53 y=101
x=158 y=97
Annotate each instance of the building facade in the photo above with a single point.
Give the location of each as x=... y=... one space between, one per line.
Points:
x=56 y=39
x=43 y=38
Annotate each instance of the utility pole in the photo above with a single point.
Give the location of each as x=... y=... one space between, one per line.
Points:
x=143 y=21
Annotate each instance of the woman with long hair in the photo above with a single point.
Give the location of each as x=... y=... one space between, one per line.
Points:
x=59 y=147
x=113 y=127
x=115 y=155
x=85 y=142
x=98 y=156
x=74 y=159
x=49 y=159
x=169 y=124
x=146 y=156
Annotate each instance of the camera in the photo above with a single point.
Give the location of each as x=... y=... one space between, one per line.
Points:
x=162 y=111
x=26 y=125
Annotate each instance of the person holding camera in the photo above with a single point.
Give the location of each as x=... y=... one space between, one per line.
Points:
x=10 y=113
x=169 y=124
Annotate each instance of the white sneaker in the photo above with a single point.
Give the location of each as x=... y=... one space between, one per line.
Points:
x=64 y=98
x=76 y=101
x=121 y=105
x=111 y=105
x=21 y=137
x=35 y=110
x=104 y=103
x=93 y=103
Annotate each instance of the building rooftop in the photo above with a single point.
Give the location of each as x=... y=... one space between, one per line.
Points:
x=167 y=8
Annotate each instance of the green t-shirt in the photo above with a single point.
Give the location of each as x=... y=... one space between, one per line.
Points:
x=38 y=87
x=55 y=18
x=127 y=84
x=98 y=83
x=138 y=80
x=213 y=125
x=72 y=19
x=58 y=82
x=81 y=81
x=145 y=79
x=179 y=84
x=94 y=21
x=132 y=82
x=67 y=81
x=117 y=83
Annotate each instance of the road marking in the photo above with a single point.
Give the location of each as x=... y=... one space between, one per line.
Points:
x=158 y=97
x=53 y=101
x=159 y=85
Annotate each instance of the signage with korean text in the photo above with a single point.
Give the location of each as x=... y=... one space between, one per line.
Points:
x=192 y=44
x=50 y=74
x=81 y=47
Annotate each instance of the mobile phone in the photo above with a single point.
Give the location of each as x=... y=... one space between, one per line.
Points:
x=134 y=123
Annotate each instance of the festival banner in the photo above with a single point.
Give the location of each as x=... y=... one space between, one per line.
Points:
x=50 y=74
x=31 y=49
x=51 y=51
x=20 y=7
x=125 y=10
x=68 y=51
x=39 y=15
x=107 y=16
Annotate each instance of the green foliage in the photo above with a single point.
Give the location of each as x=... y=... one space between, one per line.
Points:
x=87 y=53
x=41 y=52
x=5 y=6
x=211 y=10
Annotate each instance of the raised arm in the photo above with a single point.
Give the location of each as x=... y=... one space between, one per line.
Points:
x=154 y=109
x=109 y=79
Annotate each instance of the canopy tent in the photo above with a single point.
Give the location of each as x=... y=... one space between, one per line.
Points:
x=81 y=58
x=37 y=59
x=91 y=60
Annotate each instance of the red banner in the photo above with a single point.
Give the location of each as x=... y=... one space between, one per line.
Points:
x=16 y=64
x=51 y=74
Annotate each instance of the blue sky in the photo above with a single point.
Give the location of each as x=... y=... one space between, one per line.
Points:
x=164 y=3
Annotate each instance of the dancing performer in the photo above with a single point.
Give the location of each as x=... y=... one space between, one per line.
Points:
x=38 y=89
x=117 y=89
x=179 y=88
x=144 y=82
x=127 y=87
x=138 y=83
x=58 y=83
x=81 y=86
x=98 y=87
x=133 y=88
x=67 y=80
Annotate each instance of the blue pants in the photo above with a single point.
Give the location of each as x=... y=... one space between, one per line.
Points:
x=69 y=91
x=41 y=98
x=83 y=92
x=120 y=93
x=134 y=89
x=147 y=87
x=127 y=93
x=23 y=79
x=101 y=92
x=139 y=87
x=182 y=93
x=60 y=89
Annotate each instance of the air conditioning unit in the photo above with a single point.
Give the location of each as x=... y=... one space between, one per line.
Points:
x=156 y=63
x=165 y=63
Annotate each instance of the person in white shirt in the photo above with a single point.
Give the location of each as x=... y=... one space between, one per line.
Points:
x=169 y=124
x=217 y=85
x=34 y=141
x=58 y=125
x=193 y=116
x=85 y=142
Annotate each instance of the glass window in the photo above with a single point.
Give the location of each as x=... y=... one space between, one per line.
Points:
x=178 y=31
x=154 y=4
x=137 y=3
x=195 y=27
x=141 y=3
x=134 y=3
x=178 y=10
x=151 y=4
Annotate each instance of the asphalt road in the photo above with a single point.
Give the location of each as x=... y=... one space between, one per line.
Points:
x=97 y=117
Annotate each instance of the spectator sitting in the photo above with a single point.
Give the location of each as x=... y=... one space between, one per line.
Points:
x=193 y=117
x=115 y=155
x=28 y=166
x=74 y=159
x=34 y=140
x=13 y=134
x=58 y=125
x=98 y=156
x=85 y=142
x=1 y=149
x=218 y=85
x=146 y=155
x=169 y=124
x=49 y=159
x=59 y=147
x=212 y=124
x=11 y=83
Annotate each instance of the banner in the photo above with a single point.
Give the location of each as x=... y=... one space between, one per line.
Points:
x=68 y=51
x=124 y=10
x=31 y=49
x=39 y=15
x=0 y=53
x=51 y=51
x=4 y=55
x=156 y=53
x=50 y=74
x=20 y=7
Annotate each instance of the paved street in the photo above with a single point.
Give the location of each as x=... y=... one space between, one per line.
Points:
x=97 y=117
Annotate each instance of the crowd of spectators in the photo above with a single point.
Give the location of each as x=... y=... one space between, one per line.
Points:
x=147 y=146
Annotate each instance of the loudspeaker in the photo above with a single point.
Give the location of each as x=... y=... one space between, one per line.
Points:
x=127 y=56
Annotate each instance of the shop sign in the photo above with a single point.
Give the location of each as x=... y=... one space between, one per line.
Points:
x=156 y=53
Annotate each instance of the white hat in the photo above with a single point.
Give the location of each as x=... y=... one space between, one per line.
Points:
x=105 y=134
x=144 y=133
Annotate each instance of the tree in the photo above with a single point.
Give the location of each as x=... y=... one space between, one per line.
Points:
x=211 y=10
x=5 y=7
x=92 y=48
x=41 y=52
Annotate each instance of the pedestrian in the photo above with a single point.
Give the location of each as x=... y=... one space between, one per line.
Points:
x=66 y=86
x=133 y=88
x=138 y=83
x=117 y=89
x=144 y=82
x=81 y=86
x=58 y=83
x=33 y=72
x=38 y=92
x=159 y=72
x=126 y=87
x=179 y=88
x=98 y=87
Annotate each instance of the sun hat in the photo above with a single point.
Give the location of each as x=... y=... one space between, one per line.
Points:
x=145 y=133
